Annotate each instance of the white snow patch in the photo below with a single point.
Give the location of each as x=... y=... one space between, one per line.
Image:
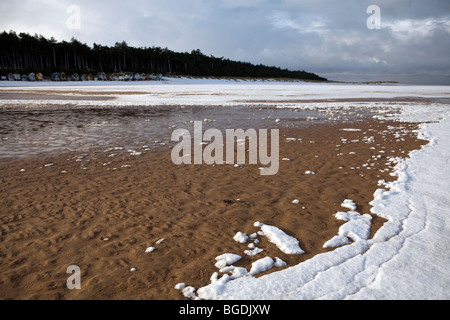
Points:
x=253 y=252
x=336 y=241
x=240 y=237
x=408 y=256
x=228 y=258
x=149 y=249
x=189 y=292
x=284 y=242
x=180 y=286
x=357 y=226
x=261 y=265
x=349 y=204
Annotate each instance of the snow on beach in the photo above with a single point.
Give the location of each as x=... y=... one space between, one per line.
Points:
x=285 y=243
x=184 y=91
x=408 y=257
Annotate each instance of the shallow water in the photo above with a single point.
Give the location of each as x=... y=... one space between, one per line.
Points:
x=26 y=131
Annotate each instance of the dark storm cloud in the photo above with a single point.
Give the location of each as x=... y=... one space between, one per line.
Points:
x=327 y=37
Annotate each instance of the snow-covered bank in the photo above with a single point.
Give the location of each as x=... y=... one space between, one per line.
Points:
x=182 y=91
x=408 y=258
x=418 y=204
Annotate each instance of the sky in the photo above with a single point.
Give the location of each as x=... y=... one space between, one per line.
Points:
x=349 y=40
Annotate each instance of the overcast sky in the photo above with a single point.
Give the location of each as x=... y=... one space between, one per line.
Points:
x=327 y=37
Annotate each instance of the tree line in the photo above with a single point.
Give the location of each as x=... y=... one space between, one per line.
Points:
x=26 y=53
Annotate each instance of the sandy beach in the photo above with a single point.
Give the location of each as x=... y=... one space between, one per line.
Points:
x=87 y=180
x=224 y=158
x=101 y=209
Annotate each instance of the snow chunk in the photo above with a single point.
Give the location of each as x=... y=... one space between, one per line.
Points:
x=238 y=272
x=347 y=216
x=279 y=263
x=336 y=241
x=253 y=252
x=349 y=204
x=284 y=242
x=180 y=286
x=224 y=279
x=240 y=237
x=149 y=249
x=229 y=258
x=350 y=129
x=261 y=265
x=357 y=226
x=189 y=292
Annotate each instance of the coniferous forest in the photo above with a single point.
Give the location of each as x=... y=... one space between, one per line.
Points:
x=24 y=53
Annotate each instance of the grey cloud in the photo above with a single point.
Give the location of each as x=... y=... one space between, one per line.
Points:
x=323 y=36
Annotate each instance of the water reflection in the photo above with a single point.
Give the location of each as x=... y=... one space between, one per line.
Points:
x=33 y=131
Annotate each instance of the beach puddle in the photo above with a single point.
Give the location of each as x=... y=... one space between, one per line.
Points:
x=26 y=131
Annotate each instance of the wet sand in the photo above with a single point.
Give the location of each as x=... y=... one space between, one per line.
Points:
x=29 y=130
x=101 y=212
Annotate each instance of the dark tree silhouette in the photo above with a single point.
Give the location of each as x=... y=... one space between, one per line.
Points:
x=24 y=53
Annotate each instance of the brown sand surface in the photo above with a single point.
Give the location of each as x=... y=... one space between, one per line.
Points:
x=103 y=217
